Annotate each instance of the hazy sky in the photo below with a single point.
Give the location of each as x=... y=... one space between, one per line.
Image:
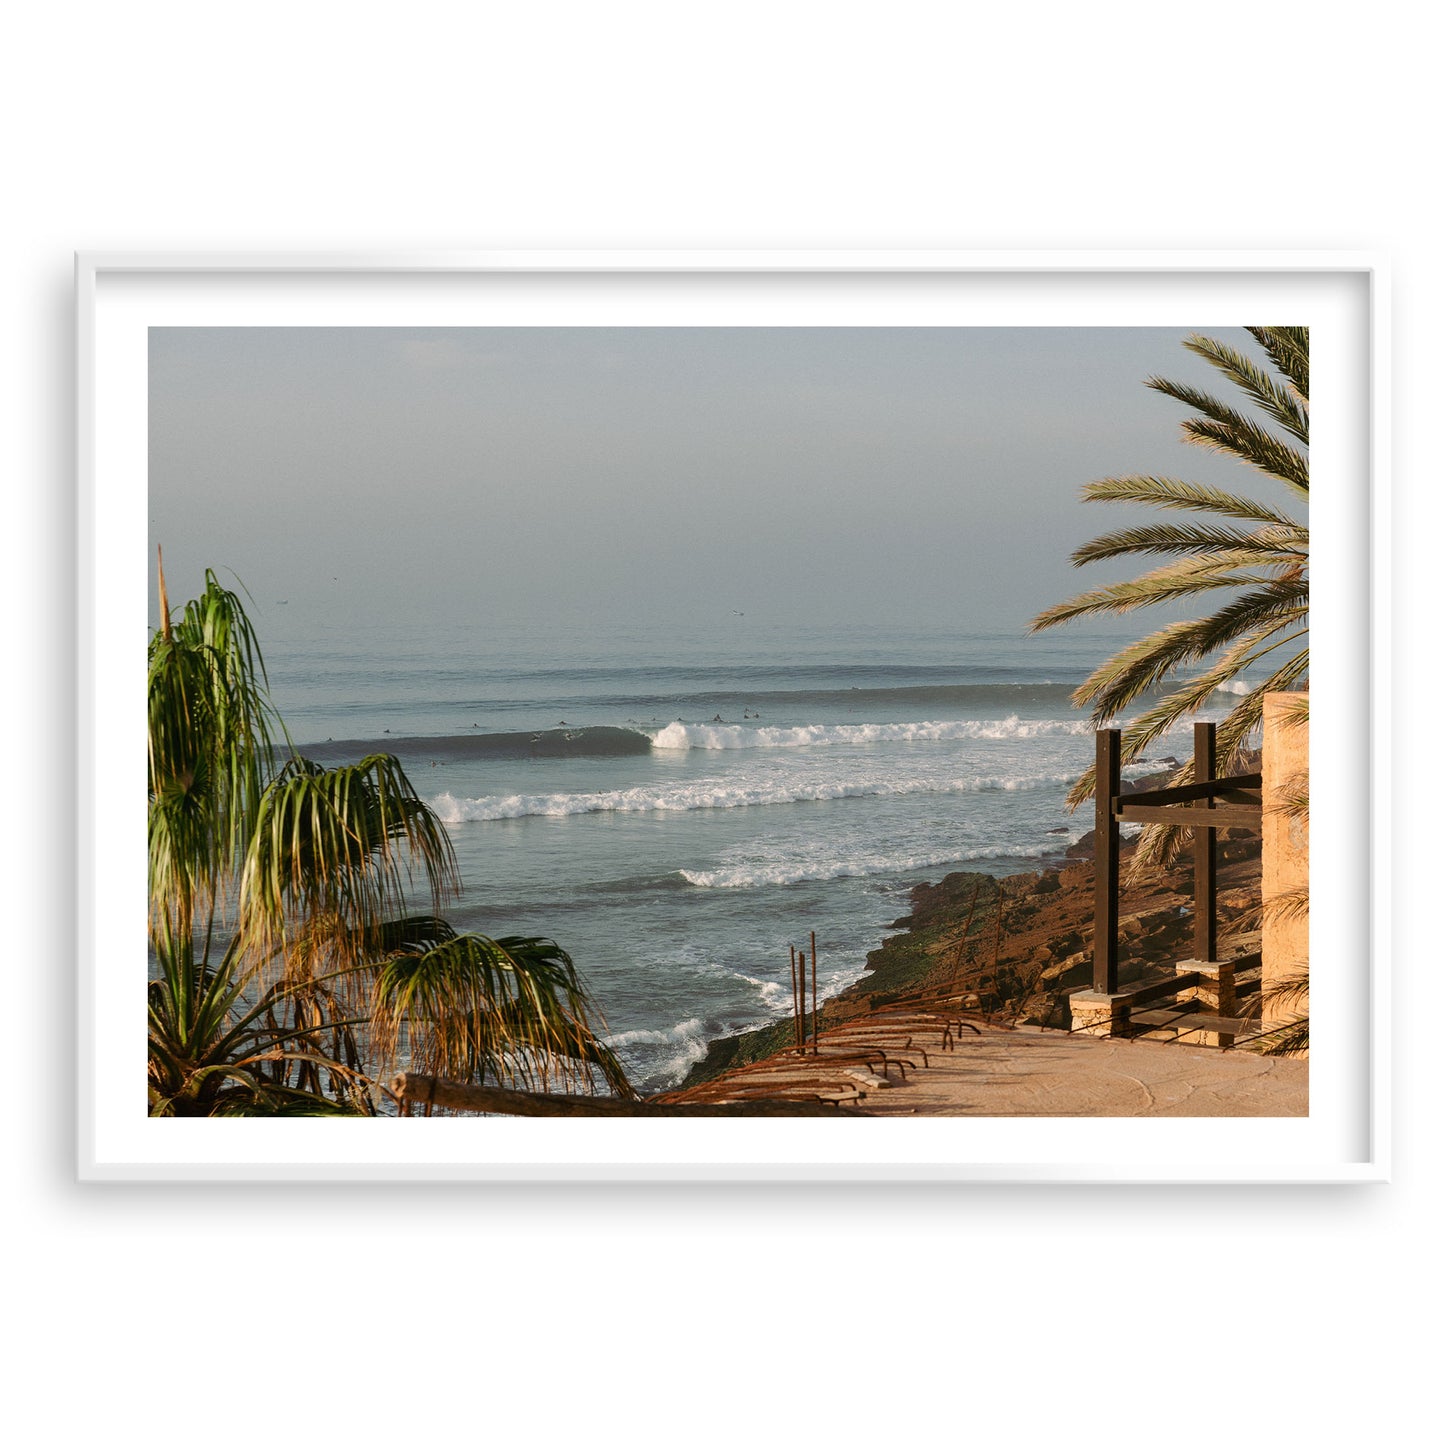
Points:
x=642 y=474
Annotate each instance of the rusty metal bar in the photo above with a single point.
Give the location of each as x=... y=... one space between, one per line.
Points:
x=792 y=978
x=813 y=938
x=1206 y=869
x=802 y=1001
x=1106 y=861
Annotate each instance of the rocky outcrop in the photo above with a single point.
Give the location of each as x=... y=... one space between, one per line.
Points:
x=1016 y=947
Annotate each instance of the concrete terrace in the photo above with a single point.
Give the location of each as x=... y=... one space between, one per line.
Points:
x=920 y=1062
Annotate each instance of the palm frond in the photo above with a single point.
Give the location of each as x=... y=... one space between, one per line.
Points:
x=1175 y=495
x=210 y=743
x=1291 y=798
x=1291 y=990
x=1284 y=404
x=271 y=1101
x=1243 y=626
x=339 y=851
x=1226 y=430
x=1288 y=906
x=1288 y=347
x=1296 y=714
x=1270 y=546
x=1187 y=577
x=1290 y=1039
x=1289 y=1036
x=512 y=1008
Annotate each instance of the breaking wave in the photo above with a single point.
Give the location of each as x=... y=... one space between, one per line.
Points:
x=772 y=875
x=724 y=736
x=664 y=1055
x=712 y=793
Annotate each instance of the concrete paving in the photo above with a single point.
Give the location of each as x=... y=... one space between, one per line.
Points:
x=1002 y=1073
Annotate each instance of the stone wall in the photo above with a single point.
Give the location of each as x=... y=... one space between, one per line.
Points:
x=1285 y=944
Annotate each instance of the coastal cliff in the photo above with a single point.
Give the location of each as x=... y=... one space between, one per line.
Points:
x=1016 y=947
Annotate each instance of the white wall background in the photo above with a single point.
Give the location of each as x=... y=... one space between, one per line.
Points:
x=663 y=1313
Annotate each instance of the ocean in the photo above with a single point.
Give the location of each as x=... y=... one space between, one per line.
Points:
x=676 y=807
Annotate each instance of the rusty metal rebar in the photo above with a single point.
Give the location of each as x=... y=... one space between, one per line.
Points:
x=963 y=940
x=795 y=969
x=813 y=937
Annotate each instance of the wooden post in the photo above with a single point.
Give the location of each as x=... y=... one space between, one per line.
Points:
x=1106 y=861
x=1206 y=876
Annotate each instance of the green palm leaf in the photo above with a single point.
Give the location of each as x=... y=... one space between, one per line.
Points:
x=512 y=1008
x=1284 y=403
x=1277 y=546
x=1176 y=495
x=335 y=854
x=1184 y=578
x=210 y=744
x=1289 y=349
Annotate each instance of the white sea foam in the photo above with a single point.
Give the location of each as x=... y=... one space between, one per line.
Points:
x=688 y=1028
x=679 y=1047
x=765 y=875
x=730 y=737
x=1236 y=687
x=713 y=793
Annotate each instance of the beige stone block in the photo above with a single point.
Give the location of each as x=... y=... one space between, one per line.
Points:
x=1215 y=990
x=1103 y=1014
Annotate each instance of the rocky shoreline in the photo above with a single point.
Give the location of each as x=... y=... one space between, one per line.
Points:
x=1017 y=946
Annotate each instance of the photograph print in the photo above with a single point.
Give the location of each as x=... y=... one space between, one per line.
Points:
x=698 y=722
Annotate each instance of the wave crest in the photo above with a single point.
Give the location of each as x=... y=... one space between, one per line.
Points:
x=692 y=797
x=780 y=874
x=726 y=736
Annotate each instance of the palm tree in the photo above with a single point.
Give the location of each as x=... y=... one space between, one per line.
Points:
x=1250 y=554
x=291 y=961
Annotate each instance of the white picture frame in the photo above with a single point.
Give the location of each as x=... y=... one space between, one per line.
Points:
x=1342 y=297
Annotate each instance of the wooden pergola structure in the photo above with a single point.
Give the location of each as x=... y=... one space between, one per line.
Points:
x=1206 y=805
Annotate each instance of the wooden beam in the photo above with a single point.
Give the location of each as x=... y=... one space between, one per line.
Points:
x=1106 y=861
x=1164 y=988
x=1245 y=783
x=1222 y=815
x=483 y=1099
x=1166 y=1018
